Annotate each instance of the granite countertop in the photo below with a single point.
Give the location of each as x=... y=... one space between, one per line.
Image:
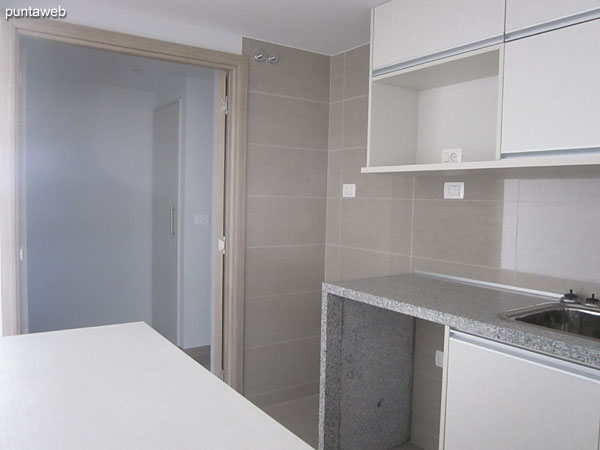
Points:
x=469 y=308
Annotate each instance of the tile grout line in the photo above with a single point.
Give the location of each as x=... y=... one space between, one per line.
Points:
x=283 y=294
x=348 y=99
x=412 y=224
x=288 y=97
x=459 y=263
x=288 y=147
x=362 y=147
x=253 y=247
x=316 y=197
x=294 y=399
x=374 y=251
x=284 y=389
x=517 y=231
x=283 y=342
x=446 y=200
x=339 y=187
x=403 y=199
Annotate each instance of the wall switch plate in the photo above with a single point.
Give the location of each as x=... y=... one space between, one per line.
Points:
x=454 y=190
x=439 y=358
x=349 y=190
x=452 y=155
x=201 y=219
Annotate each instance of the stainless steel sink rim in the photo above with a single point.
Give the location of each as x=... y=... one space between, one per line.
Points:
x=520 y=313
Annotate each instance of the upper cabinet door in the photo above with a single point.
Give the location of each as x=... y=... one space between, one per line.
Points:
x=526 y=14
x=407 y=30
x=552 y=91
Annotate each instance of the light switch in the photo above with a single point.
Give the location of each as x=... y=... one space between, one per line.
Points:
x=349 y=190
x=454 y=190
x=201 y=219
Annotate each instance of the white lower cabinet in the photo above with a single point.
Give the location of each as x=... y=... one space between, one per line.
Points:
x=499 y=397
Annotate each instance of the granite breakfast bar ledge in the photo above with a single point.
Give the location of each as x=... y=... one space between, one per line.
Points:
x=367 y=353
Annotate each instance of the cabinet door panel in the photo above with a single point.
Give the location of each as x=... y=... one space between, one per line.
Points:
x=522 y=14
x=406 y=29
x=498 y=400
x=551 y=90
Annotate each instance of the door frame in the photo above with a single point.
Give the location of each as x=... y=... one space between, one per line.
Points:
x=236 y=67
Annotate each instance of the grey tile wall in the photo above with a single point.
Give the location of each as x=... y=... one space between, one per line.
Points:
x=288 y=117
x=427 y=384
x=307 y=135
x=371 y=234
x=540 y=230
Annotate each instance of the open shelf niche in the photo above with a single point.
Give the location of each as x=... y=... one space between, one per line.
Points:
x=418 y=112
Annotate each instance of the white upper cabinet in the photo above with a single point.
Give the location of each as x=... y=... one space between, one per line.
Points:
x=552 y=91
x=407 y=30
x=526 y=14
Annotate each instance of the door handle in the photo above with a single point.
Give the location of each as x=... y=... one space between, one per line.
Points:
x=172 y=221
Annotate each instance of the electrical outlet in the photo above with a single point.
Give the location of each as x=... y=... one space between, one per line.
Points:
x=349 y=190
x=454 y=190
x=439 y=358
x=452 y=155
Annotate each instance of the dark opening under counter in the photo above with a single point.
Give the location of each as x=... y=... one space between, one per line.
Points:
x=367 y=353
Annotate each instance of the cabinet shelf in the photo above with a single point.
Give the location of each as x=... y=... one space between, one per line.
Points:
x=509 y=163
x=418 y=112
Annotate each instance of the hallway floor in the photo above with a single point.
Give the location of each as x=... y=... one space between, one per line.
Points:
x=200 y=354
x=300 y=416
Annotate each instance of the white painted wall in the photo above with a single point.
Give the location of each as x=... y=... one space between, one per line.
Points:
x=198 y=189
x=142 y=19
x=195 y=261
x=88 y=203
x=90 y=180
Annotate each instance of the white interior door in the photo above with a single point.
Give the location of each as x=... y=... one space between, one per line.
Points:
x=165 y=183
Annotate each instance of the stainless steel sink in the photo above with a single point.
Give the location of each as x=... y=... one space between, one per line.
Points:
x=567 y=317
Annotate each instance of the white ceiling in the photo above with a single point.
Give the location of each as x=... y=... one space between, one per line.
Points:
x=323 y=26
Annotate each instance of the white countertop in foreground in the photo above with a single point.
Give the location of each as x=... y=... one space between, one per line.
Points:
x=121 y=387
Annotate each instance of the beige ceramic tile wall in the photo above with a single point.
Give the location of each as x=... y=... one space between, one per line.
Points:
x=540 y=230
x=427 y=385
x=285 y=222
x=371 y=234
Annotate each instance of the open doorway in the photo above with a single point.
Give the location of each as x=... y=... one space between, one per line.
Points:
x=119 y=202
x=228 y=318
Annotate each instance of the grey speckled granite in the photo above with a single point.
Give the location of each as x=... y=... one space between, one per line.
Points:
x=472 y=309
x=367 y=354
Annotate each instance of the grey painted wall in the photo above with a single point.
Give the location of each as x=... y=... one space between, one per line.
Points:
x=89 y=180
x=88 y=203
x=197 y=96
x=198 y=200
